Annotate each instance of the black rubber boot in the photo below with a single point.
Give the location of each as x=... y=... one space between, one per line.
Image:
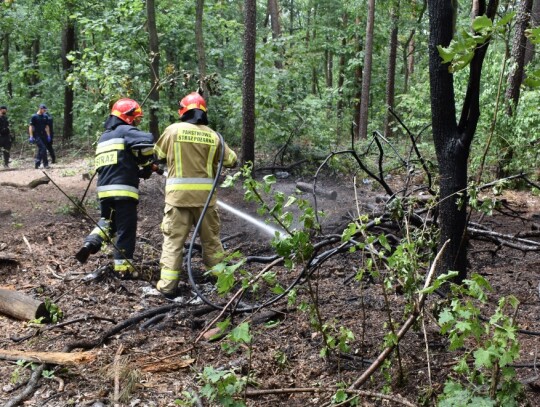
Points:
x=85 y=252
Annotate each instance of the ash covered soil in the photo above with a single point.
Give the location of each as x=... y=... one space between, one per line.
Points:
x=156 y=356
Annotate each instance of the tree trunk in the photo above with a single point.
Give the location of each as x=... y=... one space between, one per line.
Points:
x=535 y=21
x=366 y=76
x=69 y=42
x=518 y=56
x=329 y=67
x=248 y=82
x=358 y=87
x=153 y=44
x=5 y=56
x=34 y=79
x=341 y=77
x=199 y=41
x=515 y=78
x=391 y=73
x=453 y=140
x=273 y=11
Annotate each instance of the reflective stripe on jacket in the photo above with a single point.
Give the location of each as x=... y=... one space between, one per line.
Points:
x=192 y=152
x=118 y=158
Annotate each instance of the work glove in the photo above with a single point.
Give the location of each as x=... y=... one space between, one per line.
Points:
x=31 y=140
x=48 y=138
x=145 y=172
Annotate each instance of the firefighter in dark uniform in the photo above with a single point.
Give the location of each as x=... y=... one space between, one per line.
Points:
x=40 y=135
x=6 y=139
x=123 y=155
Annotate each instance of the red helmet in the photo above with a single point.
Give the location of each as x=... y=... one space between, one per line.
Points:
x=127 y=110
x=191 y=101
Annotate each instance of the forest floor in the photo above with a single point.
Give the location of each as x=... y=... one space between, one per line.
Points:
x=151 y=361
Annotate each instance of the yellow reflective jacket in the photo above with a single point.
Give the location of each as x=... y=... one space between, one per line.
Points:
x=192 y=152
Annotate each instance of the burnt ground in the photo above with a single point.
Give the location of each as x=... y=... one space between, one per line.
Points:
x=157 y=358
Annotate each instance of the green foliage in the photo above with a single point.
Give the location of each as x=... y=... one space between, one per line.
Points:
x=55 y=313
x=461 y=49
x=483 y=375
x=240 y=335
x=222 y=386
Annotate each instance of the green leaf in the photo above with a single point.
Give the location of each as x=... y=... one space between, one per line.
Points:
x=482 y=358
x=241 y=333
x=481 y=22
x=505 y=19
x=447 y=54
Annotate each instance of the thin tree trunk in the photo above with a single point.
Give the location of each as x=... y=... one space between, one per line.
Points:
x=273 y=11
x=358 y=87
x=153 y=44
x=535 y=22
x=366 y=76
x=199 y=41
x=34 y=54
x=341 y=77
x=515 y=78
x=391 y=73
x=69 y=44
x=248 y=83
x=518 y=56
x=329 y=67
x=5 y=55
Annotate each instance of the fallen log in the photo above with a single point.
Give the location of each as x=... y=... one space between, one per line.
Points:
x=37 y=182
x=21 y=306
x=305 y=187
x=56 y=358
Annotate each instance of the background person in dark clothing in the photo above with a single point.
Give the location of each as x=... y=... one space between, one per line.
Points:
x=40 y=135
x=5 y=135
x=122 y=149
x=49 y=145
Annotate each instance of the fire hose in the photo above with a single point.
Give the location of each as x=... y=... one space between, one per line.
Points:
x=191 y=278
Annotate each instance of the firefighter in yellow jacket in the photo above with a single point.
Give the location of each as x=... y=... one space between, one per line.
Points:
x=192 y=150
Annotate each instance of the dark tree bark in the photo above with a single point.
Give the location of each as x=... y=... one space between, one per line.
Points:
x=391 y=72
x=69 y=44
x=5 y=57
x=153 y=44
x=535 y=21
x=33 y=78
x=199 y=41
x=341 y=76
x=366 y=76
x=273 y=12
x=515 y=77
x=329 y=67
x=248 y=82
x=357 y=86
x=452 y=140
x=518 y=56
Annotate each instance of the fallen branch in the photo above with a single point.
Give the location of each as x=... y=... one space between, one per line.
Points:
x=56 y=358
x=30 y=388
x=59 y=325
x=89 y=344
x=116 y=365
x=406 y=326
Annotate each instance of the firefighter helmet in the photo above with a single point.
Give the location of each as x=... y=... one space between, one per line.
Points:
x=127 y=110
x=191 y=101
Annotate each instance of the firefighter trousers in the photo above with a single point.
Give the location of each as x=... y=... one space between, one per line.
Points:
x=176 y=226
x=118 y=218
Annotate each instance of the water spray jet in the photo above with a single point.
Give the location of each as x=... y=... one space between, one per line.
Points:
x=270 y=230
